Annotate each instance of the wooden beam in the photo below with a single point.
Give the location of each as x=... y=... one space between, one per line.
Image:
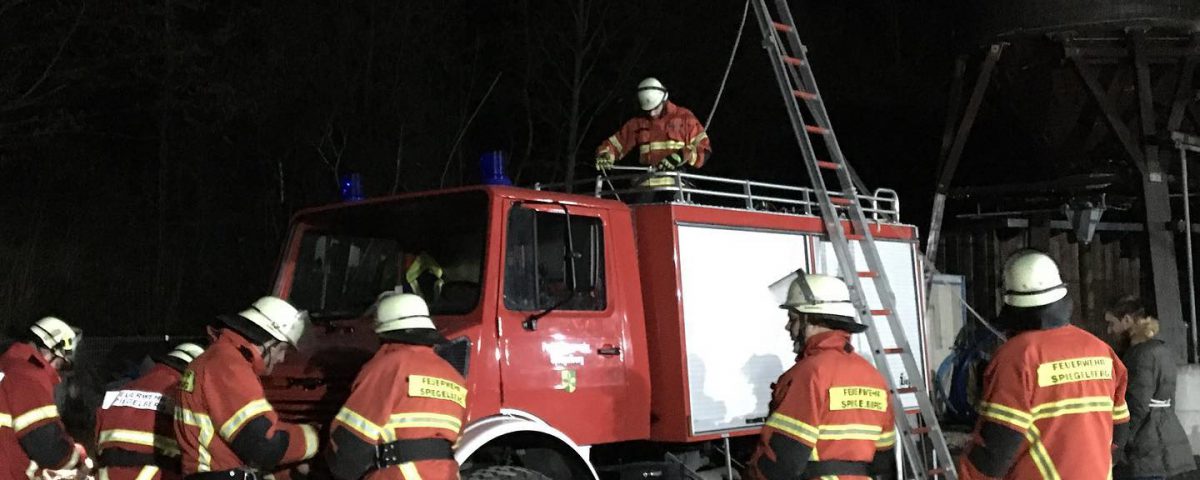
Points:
x=1132 y=147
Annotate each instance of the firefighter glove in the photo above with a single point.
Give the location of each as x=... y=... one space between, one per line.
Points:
x=604 y=161
x=672 y=161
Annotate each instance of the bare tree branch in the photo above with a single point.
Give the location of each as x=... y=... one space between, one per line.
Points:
x=57 y=55
x=462 y=131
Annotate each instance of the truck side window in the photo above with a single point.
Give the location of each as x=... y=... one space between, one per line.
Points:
x=535 y=270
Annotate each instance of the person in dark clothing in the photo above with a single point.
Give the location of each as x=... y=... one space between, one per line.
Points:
x=1159 y=446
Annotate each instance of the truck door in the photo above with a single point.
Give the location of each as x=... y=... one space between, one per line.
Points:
x=562 y=341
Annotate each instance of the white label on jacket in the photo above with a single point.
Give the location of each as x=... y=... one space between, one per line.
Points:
x=132 y=399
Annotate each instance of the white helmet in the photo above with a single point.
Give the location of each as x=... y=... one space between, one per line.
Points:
x=651 y=93
x=1031 y=279
x=186 y=352
x=819 y=294
x=278 y=318
x=57 y=336
x=402 y=312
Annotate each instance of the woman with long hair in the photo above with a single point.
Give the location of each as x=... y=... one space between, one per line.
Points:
x=1158 y=447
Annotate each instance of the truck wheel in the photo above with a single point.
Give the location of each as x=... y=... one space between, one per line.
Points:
x=505 y=473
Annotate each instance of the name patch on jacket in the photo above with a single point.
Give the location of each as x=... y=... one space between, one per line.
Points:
x=1074 y=370
x=857 y=398
x=439 y=388
x=132 y=399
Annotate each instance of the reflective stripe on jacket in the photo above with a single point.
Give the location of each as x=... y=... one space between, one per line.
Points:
x=138 y=418
x=404 y=392
x=655 y=138
x=1052 y=398
x=832 y=401
x=222 y=414
x=27 y=408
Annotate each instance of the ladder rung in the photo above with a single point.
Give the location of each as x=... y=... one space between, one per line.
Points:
x=912 y=411
x=868 y=274
x=828 y=165
x=841 y=201
x=937 y=471
x=906 y=390
x=892 y=351
x=883 y=313
x=804 y=95
x=919 y=431
x=781 y=27
x=792 y=60
x=817 y=130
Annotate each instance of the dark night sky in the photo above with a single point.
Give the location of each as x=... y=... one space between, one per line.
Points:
x=151 y=154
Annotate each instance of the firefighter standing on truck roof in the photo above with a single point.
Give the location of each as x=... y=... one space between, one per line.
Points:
x=831 y=413
x=407 y=405
x=32 y=435
x=134 y=425
x=1053 y=403
x=667 y=137
x=223 y=423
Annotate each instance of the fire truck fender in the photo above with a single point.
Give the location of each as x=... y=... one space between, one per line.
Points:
x=485 y=430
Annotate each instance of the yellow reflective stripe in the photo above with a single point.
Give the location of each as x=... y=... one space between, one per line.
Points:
x=1072 y=406
x=167 y=446
x=243 y=415
x=310 y=441
x=795 y=427
x=359 y=423
x=33 y=416
x=5 y=420
x=409 y=470
x=617 y=143
x=849 y=432
x=1041 y=458
x=886 y=440
x=1006 y=414
x=698 y=138
x=207 y=431
x=424 y=420
x=666 y=145
x=147 y=473
x=1120 y=412
x=103 y=475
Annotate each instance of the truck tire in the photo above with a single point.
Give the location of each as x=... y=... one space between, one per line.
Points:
x=505 y=473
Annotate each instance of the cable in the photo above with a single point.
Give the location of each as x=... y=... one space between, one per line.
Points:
x=728 y=66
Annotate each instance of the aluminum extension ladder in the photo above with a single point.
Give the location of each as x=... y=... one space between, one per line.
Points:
x=794 y=74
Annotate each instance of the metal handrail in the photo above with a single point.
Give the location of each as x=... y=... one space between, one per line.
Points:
x=883 y=205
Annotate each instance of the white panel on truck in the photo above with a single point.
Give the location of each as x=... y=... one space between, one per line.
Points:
x=736 y=342
x=900 y=265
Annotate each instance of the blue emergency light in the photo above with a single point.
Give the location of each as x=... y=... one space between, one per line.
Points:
x=491 y=168
x=351 y=187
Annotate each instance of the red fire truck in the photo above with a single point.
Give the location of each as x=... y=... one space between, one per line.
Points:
x=600 y=339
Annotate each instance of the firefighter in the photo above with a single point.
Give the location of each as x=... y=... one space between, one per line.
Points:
x=224 y=425
x=831 y=413
x=134 y=431
x=407 y=405
x=32 y=435
x=667 y=137
x=1053 y=403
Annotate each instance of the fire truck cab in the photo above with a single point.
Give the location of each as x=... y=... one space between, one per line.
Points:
x=600 y=339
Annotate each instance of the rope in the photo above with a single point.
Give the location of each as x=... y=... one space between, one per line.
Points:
x=729 y=65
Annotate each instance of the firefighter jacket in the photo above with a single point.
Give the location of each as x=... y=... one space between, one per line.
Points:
x=1051 y=402
x=408 y=405
x=134 y=431
x=224 y=422
x=655 y=138
x=32 y=435
x=831 y=413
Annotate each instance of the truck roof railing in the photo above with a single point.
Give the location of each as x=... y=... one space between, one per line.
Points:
x=883 y=205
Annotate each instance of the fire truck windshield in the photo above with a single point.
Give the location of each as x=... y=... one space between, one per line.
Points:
x=350 y=257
